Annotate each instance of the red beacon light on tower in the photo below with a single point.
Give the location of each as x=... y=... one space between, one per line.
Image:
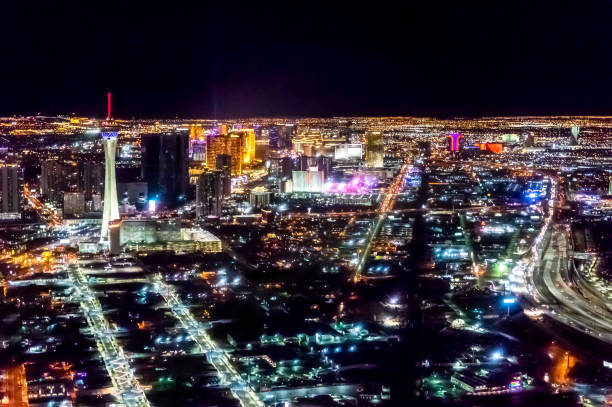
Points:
x=107 y=122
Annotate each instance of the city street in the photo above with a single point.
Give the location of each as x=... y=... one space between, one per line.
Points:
x=385 y=207
x=16 y=387
x=217 y=357
x=127 y=387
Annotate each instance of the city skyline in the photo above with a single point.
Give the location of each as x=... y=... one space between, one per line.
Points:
x=329 y=261
x=304 y=205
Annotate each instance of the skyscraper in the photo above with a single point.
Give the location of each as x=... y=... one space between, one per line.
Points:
x=259 y=197
x=247 y=143
x=53 y=180
x=374 y=149
x=300 y=181
x=316 y=179
x=348 y=152
x=324 y=164
x=196 y=132
x=198 y=151
x=280 y=136
x=209 y=194
x=286 y=166
x=111 y=206
x=224 y=165
x=165 y=166
x=92 y=178
x=311 y=180
x=197 y=143
x=74 y=203
x=249 y=153
x=303 y=162
x=229 y=144
x=455 y=142
x=9 y=190
x=262 y=149
x=575 y=135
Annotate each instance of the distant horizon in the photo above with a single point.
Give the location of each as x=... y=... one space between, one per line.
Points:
x=75 y=115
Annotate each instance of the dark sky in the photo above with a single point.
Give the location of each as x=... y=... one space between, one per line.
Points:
x=299 y=59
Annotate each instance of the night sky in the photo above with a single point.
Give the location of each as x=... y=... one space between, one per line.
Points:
x=310 y=59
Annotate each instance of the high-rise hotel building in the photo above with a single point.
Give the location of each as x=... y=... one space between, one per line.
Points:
x=375 y=153
x=238 y=144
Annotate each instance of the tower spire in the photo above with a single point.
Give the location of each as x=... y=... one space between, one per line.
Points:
x=108 y=97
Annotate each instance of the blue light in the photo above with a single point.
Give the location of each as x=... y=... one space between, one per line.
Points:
x=109 y=135
x=509 y=300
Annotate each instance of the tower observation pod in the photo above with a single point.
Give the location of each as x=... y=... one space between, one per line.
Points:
x=111 y=205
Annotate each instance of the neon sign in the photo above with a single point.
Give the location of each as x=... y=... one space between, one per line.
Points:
x=455 y=141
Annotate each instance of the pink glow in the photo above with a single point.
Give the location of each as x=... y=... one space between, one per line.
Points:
x=357 y=185
x=455 y=138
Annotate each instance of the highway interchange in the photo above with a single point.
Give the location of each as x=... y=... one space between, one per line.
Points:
x=551 y=286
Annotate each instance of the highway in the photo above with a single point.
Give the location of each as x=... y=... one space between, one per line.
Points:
x=587 y=284
x=550 y=287
x=562 y=301
x=350 y=214
x=126 y=386
x=217 y=357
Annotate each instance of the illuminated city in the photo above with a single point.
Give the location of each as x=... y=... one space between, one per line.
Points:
x=245 y=258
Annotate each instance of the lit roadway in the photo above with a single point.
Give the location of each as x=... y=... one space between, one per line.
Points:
x=41 y=209
x=566 y=304
x=15 y=386
x=551 y=288
x=117 y=365
x=350 y=214
x=217 y=357
x=385 y=207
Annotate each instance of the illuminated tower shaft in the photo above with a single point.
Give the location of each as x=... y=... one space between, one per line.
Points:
x=111 y=206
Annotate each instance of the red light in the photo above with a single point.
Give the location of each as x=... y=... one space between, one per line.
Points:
x=109 y=106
